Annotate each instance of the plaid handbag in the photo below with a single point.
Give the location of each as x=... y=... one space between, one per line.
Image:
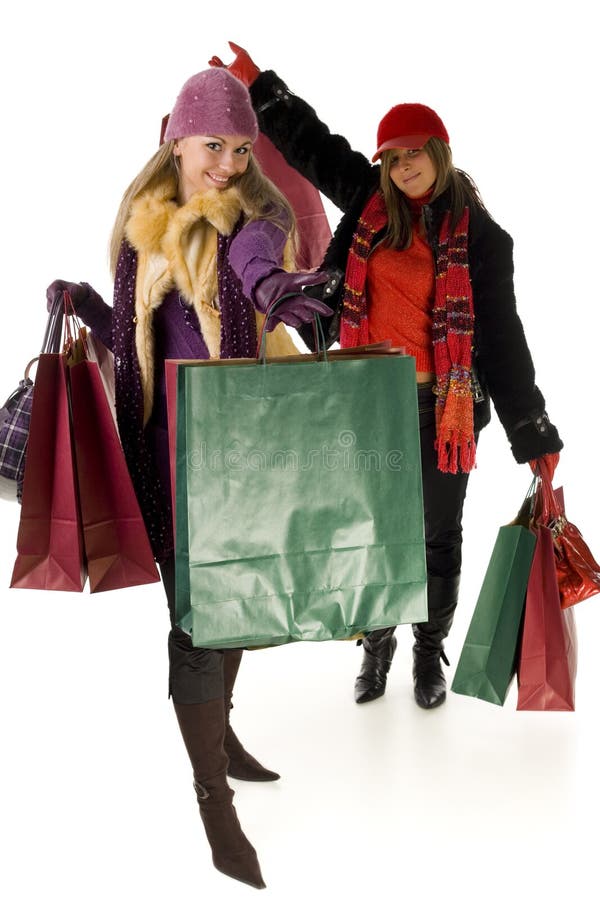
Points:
x=16 y=413
x=14 y=428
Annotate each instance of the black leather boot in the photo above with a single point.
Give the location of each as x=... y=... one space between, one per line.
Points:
x=242 y=765
x=379 y=648
x=428 y=650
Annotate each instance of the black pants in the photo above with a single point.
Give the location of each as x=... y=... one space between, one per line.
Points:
x=443 y=498
x=195 y=674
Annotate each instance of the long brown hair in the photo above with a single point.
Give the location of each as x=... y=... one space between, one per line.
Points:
x=258 y=196
x=463 y=192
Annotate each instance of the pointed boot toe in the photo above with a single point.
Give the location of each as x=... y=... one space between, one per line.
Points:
x=365 y=692
x=232 y=852
x=428 y=677
x=245 y=869
x=428 y=695
x=242 y=765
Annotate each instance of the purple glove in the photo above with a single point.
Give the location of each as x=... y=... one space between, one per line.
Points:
x=297 y=308
x=80 y=292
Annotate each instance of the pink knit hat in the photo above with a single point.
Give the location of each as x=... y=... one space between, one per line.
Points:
x=212 y=102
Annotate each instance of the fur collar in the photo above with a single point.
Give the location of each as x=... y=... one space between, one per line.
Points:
x=177 y=247
x=156 y=220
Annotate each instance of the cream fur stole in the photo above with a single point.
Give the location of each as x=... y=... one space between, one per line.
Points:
x=177 y=248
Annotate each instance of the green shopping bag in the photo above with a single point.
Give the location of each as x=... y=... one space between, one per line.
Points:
x=298 y=499
x=487 y=662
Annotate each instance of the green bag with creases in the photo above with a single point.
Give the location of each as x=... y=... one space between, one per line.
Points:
x=487 y=662
x=298 y=498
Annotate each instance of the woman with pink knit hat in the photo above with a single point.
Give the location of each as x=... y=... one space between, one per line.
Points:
x=200 y=250
x=427 y=267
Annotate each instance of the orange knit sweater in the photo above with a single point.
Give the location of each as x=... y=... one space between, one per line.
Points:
x=400 y=293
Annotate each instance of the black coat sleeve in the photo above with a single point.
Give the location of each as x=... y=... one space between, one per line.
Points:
x=503 y=357
x=325 y=159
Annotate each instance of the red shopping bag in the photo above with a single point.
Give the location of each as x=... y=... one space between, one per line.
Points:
x=548 y=649
x=50 y=552
x=117 y=546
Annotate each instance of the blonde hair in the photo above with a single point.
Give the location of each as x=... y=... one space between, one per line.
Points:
x=463 y=192
x=259 y=197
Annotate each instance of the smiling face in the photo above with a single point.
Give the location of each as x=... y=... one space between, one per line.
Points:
x=210 y=161
x=412 y=171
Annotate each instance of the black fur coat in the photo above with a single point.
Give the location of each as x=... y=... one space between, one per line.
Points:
x=501 y=357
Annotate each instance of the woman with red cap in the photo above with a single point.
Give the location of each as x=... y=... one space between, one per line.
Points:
x=199 y=251
x=427 y=267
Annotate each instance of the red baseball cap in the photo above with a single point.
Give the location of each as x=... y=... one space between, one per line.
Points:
x=409 y=125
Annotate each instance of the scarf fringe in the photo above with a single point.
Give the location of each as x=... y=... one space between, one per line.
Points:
x=456 y=452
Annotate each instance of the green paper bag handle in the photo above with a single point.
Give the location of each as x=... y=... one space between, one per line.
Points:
x=261 y=351
x=526 y=513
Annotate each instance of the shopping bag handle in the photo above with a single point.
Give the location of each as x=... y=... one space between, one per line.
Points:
x=75 y=346
x=52 y=334
x=550 y=512
x=261 y=350
x=321 y=349
x=526 y=514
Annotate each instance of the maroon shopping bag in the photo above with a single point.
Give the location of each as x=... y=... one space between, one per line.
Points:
x=50 y=552
x=117 y=546
x=314 y=232
x=547 y=664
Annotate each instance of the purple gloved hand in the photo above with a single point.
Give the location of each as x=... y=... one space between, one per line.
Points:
x=79 y=291
x=297 y=308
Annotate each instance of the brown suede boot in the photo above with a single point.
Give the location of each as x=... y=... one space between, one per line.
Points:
x=242 y=765
x=203 y=730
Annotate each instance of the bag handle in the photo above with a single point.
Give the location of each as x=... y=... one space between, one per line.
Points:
x=75 y=346
x=261 y=349
x=52 y=335
x=548 y=510
x=52 y=339
x=526 y=513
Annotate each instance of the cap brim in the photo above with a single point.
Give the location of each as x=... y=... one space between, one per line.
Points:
x=405 y=142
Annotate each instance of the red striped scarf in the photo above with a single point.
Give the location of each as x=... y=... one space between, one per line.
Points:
x=452 y=344
x=452 y=328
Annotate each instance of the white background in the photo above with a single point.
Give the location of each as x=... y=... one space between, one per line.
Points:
x=466 y=801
